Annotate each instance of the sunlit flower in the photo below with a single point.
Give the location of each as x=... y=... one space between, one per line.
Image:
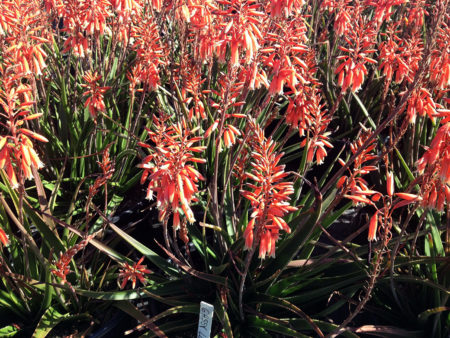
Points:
x=383 y=8
x=268 y=196
x=440 y=58
x=26 y=34
x=4 y=240
x=17 y=153
x=421 y=103
x=344 y=12
x=354 y=187
x=149 y=51
x=170 y=176
x=241 y=31
x=359 y=43
x=373 y=225
x=94 y=93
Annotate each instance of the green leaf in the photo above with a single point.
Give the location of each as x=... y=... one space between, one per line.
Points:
x=291 y=245
x=48 y=321
x=176 y=326
x=279 y=302
x=222 y=314
x=150 y=254
x=172 y=288
x=425 y=314
x=302 y=324
x=9 y=331
x=273 y=326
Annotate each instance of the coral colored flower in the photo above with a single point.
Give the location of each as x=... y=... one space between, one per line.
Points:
x=354 y=186
x=440 y=58
x=149 y=51
x=390 y=183
x=315 y=124
x=26 y=32
x=421 y=103
x=408 y=197
x=383 y=8
x=61 y=266
x=170 y=176
x=359 y=43
x=434 y=168
x=373 y=224
x=268 y=196
x=17 y=153
x=344 y=12
x=3 y=237
x=94 y=93
x=400 y=57
x=416 y=13
x=133 y=273
x=240 y=32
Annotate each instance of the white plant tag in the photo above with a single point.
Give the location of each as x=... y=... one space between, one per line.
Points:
x=205 y=320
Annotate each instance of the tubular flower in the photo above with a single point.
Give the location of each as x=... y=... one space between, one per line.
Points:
x=373 y=225
x=344 y=12
x=190 y=76
x=352 y=70
x=241 y=31
x=149 y=52
x=400 y=57
x=285 y=54
x=61 y=266
x=435 y=170
x=354 y=186
x=268 y=196
x=170 y=176
x=25 y=32
x=17 y=153
x=383 y=8
x=94 y=93
x=421 y=103
x=202 y=31
x=440 y=58
x=4 y=240
x=416 y=13
x=84 y=20
x=283 y=8
x=227 y=96
x=133 y=273
x=318 y=121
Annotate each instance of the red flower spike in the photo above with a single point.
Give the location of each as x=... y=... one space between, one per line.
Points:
x=170 y=176
x=94 y=93
x=17 y=153
x=269 y=196
x=360 y=41
x=356 y=188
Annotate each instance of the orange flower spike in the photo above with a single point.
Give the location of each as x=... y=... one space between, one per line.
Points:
x=352 y=70
x=170 y=177
x=94 y=93
x=269 y=196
